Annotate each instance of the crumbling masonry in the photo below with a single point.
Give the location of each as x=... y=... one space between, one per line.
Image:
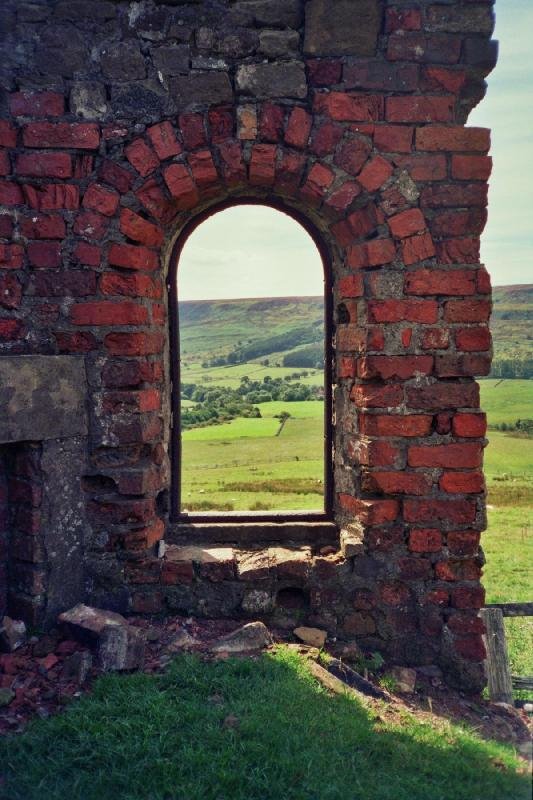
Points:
x=124 y=121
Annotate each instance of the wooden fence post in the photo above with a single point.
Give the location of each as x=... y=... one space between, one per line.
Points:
x=498 y=671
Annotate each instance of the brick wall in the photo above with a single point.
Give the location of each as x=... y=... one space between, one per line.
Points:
x=123 y=122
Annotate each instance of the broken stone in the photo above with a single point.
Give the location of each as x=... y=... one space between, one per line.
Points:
x=121 y=647
x=278 y=43
x=273 y=80
x=290 y=562
x=77 y=666
x=249 y=639
x=6 y=696
x=336 y=28
x=88 y=100
x=182 y=641
x=254 y=566
x=405 y=679
x=171 y=60
x=311 y=636
x=86 y=624
x=351 y=544
x=12 y=634
x=214 y=563
x=201 y=89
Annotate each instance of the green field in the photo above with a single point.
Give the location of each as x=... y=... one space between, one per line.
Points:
x=506 y=400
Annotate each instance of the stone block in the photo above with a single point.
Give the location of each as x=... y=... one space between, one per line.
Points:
x=278 y=13
x=278 y=43
x=273 y=80
x=42 y=397
x=342 y=27
x=201 y=89
x=138 y=98
x=171 y=60
x=123 y=61
x=88 y=100
x=120 y=648
x=86 y=624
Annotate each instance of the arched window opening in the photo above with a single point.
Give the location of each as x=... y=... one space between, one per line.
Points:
x=250 y=360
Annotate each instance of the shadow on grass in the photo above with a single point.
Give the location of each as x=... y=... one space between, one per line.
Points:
x=164 y=738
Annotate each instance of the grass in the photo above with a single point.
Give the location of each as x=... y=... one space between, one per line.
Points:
x=506 y=400
x=165 y=738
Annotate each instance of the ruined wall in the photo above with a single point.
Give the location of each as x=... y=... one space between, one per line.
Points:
x=122 y=122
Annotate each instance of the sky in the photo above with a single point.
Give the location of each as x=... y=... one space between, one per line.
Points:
x=255 y=251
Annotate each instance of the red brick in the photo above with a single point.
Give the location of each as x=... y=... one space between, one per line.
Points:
x=465 y=624
x=71 y=283
x=220 y=124
x=121 y=374
x=350 y=337
x=438 y=78
x=324 y=72
x=457 y=571
x=233 y=167
x=298 y=128
x=11 y=256
x=370 y=512
x=11 y=330
x=263 y=165
x=393 y=138
x=417 y=248
x=414 y=569
x=10 y=291
x=402 y=19
x=152 y=197
x=467 y=310
x=136 y=285
x=422 y=167
x=134 y=344
x=437 y=597
x=467 y=222
x=419 y=108
x=6 y=227
x=362 y=222
x=5 y=163
x=345 y=367
x=468 y=597
x=463 y=543
x=8 y=134
x=51 y=196
x=177 y=572
x=440 y=282
x=387 y=367
x=483 y=283
x=116 y=176
x=449 y=511
x=181 y=186
x=141 y=157
x=108 y=313
x=442 y=195
x=342 y=198
x=139 y=229
x=89 y=254
x=403 y=310
x=129 y=256
x=44 y=165
x=10 y=194
x=471 y=648
x=44 y=254
x=43 y=226
x=458 y=251
x=473 y=339
x=400 y=482
x=425 y=540
x=91 y=225
x=443 y=422
x=407 y=223
x=83 y=136
x=100 y=199
x=193 y=130
x=464 y=364
x=374 y=253
x=371 y=395
x=203 y=169
x=453 y=455
x=455 y=138
x=164 y=140
x=471 y=168
x=351 y=286
x=271 y=122
x=435 y=339
x=462 y=482
x=78 y=342
x=440 y=48
x=395 y=424
x=352 y=154
x=138 y=401
x=375 y=173
x=349 y=107
x=469 y=425
x=394 y=594
x=36 y=104
x=326 y=138
x=318 y=181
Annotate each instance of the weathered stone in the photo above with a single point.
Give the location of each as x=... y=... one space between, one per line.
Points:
x=254 y=566
x=123 y=61
x=88 y=100
x=405 y=679
x=215 y=563
x=342 y=27
x=279 y=13
x=285 y=79
x=6 y=696
x=77 y=666
x=201 y=89
x=205 y=62
x=288 y=562
x=249 y=639
x=86 y=624
x=257 y=601
x=12 y=634
x=182 y=640
x=144 y=99
x=121 y=647
x=171 y=60
x=351 y=544
x=311 y=636
x=278 y=43
x=42 y=397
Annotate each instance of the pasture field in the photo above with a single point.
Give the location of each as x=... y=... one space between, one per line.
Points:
x=230 y=376
x=506 y=400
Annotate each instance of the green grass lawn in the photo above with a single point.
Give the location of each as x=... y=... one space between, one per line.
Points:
x=163 y=738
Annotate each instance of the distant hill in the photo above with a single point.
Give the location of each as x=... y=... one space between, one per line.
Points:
x=248 y=329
